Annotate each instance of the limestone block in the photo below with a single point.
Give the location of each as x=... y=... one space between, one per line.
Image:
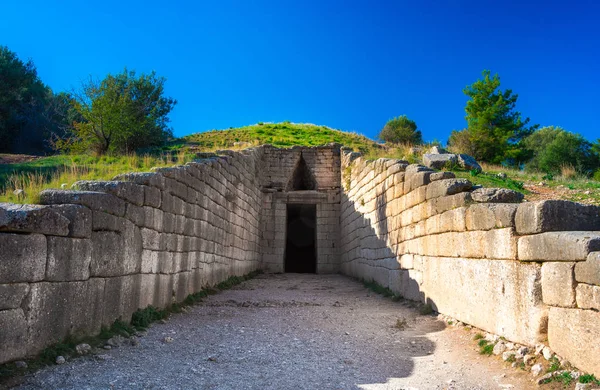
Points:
x=558 y=284
x=508 y=303
x=155 y=290
x=441 y=176
x=11 y=295
x=445 y=203
x=588 y=296
x=32 y=219
x=153 y=240
x=13 y=337
x=496 y=195
x=116 y=254
x=94 y=200
x=80 y=219
x=447 y=187
x=135 y=214
x=68 y=259
x=556 y=215
x=106 y=222
x=440 y=161
x=122 y=294
x=22 y=258
x=558 y=246
x=488 y=216
x=573 y=335
x=416 y=180
x=152 y=197
x=56 y=310
x=130 y=192
x=589 y=271
x=143 y=178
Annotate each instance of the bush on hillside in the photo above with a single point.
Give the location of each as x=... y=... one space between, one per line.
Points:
x=555 y=148
x=401 y=130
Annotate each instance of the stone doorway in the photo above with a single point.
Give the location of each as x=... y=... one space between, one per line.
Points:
x=300 y=248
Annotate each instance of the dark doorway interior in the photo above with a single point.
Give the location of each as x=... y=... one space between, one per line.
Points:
x=300 y=253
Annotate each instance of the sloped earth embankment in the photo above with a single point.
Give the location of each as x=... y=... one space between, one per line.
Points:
x=291 y=331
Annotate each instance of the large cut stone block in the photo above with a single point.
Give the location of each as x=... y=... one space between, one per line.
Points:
x=122 y=296
x=22 y=257
x=496 y=195
x=116 y=254
x=558 y=284
x=56 y=310
x=131 y=192
x=573 y=335
x=589 y=271
x=502 y=297
x=558 y=246
x=94 y=200
x=11 y=295
x=13 y=335
x=32 y=219
x=440 y=161
x=588 y=296
x=556 y=215
x=447 y=187
x=144 y=178
x=80 y=219
x=490 y=216
x=68 y=259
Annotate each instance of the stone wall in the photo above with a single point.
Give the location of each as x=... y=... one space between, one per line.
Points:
x=279 y=165
x=527 y=271
x=88 y=257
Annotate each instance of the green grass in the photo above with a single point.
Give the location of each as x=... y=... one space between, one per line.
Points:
x=53 y=171
x=587 y=378
x=283 y=135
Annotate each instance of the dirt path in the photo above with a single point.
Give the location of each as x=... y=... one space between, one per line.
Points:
x=292 y=332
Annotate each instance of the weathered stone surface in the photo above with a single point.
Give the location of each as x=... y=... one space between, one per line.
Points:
x=94 y=200
x=589 y=271
x=123 y=295
x=558 y=246
x=68 y=259
x=130 y=192
x=486 y=216
x=558 y=284
x=447 y=187
x=57 y=310
x=439 y=161
x=22 y=258
x=441 y=175
x=468 y=162
x=32 y=219
x=588 y=296
x=144 y=178
x=116 y=254
x=13 y=336
x=80 y=219
x=508 y=304
x=496 y=195
x=556 y=215
x=573 y=334
x=11 y=295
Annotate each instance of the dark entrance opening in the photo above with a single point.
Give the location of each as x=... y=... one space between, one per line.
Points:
x=300 y=249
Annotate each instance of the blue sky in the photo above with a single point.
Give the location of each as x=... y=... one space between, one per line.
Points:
x=350 y=65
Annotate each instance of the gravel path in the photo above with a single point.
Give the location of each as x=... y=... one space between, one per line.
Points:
x=291 y=331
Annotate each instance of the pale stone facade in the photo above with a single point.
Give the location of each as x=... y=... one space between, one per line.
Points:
x=526 y=271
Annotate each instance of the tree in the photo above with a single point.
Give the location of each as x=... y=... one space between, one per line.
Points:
x=554 y=148
x=401 y=130
x=494 y=128
x=121 y=113
x=23 y=102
